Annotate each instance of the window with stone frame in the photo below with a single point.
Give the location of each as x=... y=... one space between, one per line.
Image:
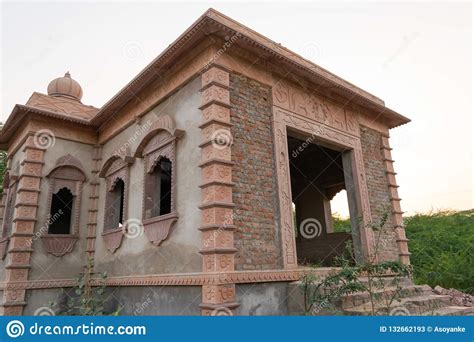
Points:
x=61 y=205
x=158 y=189
x=116 y=174
x=114 y=205
x=158 y=150
x=60 y=232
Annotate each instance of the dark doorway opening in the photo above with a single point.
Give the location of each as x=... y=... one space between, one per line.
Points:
x=317 y=175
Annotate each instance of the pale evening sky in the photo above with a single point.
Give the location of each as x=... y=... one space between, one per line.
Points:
x=416 y=56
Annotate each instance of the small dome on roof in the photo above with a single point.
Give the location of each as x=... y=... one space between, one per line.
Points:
x=66 y=87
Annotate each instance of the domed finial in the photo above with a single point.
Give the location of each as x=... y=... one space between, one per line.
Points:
x=65 y=87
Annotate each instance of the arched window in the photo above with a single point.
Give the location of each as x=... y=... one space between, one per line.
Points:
x=158 y=150
x=114 y=211
x=61 y=212
x=61 y=229
x=158 y=189
x=116 y=174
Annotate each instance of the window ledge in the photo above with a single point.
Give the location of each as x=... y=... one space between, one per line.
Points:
x=113 y=238
x=158 y=228
x=59 y=244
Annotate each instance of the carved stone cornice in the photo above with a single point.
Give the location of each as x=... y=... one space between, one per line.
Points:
x=186 y=279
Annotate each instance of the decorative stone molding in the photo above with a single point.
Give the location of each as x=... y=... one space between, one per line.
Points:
x=115 y=168
x=113 y=238
x=217 y=206
x=67 y=173
x=24 y=223
x=397 y=218
x=93 y=204
x=158 y=228
x=186 y=279
x=160 y=142
x=59 y=244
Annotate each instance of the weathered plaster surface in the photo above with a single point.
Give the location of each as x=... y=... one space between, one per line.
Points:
x=179 y=253
x=47 y=266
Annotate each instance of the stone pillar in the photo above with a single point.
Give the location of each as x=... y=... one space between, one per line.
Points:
x=397 y=219
x=217 y=206
x=93 y=206
x=24 y=220
x=310 y=205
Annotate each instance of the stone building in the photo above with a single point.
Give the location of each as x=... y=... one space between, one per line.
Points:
x=205 y=184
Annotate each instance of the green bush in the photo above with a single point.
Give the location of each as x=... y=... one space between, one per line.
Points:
x=442 y=247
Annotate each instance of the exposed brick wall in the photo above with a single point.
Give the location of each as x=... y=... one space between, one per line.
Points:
x=377 y=185
x=257 y=234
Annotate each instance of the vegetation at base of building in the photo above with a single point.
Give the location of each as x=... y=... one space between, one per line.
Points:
x=90 y=296
x=325 y=293
x=442 y=248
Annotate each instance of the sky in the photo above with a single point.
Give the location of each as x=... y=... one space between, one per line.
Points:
x=416 y=56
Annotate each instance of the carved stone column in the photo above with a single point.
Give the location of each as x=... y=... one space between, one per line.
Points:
x=217 y=206
x=397 y=219
x=20 y=247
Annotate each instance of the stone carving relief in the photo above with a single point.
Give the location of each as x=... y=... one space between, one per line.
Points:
x=315 y=107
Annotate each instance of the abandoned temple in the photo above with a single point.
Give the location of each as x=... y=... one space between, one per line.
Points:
x=205 y=184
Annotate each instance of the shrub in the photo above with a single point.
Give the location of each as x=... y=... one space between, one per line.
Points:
x=442 y=247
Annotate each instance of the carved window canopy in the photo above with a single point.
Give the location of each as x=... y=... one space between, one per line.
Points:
x=116 y=173
x=157 y=146
x=69 y=174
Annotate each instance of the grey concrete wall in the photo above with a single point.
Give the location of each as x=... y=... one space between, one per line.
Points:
x=47 y=266
x=179 y=253
x=156 y=300
x=40 y=299
x=262 y=299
